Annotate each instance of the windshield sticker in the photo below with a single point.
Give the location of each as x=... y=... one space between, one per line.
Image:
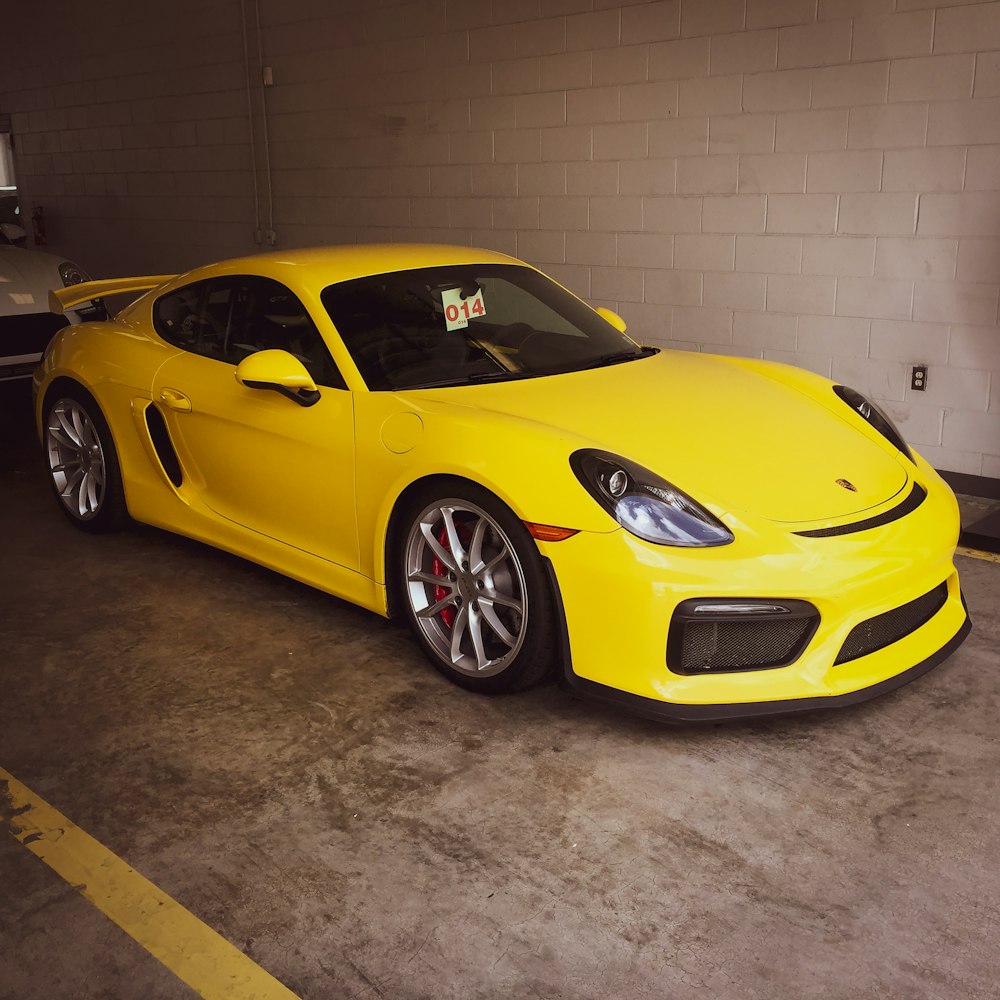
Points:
x=458 y=311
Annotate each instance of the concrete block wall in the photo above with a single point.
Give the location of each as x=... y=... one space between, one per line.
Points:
x=813 y=181
x=131 y=130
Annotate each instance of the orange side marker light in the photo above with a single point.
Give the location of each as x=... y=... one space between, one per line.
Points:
x=549 y=532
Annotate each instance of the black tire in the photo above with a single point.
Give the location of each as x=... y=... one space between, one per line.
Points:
x=82 y=461
x=496 y=589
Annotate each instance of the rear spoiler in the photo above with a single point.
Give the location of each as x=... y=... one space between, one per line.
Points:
x=73 y=295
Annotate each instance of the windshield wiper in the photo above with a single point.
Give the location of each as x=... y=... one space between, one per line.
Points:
x=618 y=357
x=614 y=358
x=467 y=380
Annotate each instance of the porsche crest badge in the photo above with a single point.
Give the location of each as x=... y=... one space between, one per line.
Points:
x=847 y=484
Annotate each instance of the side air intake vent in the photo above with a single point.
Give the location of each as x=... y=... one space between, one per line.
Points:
x=163 y=446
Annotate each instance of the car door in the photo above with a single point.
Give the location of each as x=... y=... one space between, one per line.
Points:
x=254 y=456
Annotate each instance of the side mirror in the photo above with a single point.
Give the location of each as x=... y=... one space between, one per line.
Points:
x=280 y=372
x=612 y=317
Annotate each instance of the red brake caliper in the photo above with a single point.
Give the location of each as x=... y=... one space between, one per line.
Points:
x=439 y=569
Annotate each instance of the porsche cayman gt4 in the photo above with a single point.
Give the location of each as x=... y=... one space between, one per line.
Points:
x=448 y=436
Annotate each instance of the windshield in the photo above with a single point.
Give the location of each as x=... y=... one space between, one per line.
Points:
x=468 y=323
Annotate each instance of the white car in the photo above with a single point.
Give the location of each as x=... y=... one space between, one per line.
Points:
x=26 y=325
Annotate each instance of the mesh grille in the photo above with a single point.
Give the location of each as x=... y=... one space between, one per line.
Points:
x=891 y=626
x=742 y=645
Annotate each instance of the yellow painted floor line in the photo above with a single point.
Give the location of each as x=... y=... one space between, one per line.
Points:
x=191 y=950
x=978 y=554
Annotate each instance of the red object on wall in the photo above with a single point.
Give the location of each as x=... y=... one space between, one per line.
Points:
x=38 y=225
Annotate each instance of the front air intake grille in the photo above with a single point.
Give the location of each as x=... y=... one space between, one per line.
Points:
x=891 y=626
x=726 y=636
x=21 y=370
x=28 y=333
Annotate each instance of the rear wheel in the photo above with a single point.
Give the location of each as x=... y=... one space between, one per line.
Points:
x=82 y=462
x=475 y=591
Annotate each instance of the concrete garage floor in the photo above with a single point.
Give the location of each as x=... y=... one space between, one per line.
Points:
x=289 y=769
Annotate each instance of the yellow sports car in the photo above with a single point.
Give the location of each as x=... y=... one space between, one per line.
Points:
x=448 y=435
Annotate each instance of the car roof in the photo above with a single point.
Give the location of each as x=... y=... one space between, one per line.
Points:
x=322 y=266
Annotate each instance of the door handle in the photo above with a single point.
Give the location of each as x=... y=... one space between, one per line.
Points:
x=175 y=400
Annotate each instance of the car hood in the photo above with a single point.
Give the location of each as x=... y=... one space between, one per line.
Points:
x=734 y=439
x=25 y=279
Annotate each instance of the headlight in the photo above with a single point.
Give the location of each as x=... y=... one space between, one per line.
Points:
x=71 y=274
x=644 y=504
x=875 y=416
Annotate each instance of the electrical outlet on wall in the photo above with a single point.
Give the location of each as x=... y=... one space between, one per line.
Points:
x=918 y=377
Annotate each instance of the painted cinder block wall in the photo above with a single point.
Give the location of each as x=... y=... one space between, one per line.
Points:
x=813 y=181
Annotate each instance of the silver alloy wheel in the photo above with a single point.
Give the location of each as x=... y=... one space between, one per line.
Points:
x=76 y=458
x=466 y=587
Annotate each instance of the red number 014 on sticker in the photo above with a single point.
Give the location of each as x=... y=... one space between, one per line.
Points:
x=458 y=311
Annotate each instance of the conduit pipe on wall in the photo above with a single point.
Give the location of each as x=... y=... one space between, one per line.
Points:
x=271 y=235
x=257 y=235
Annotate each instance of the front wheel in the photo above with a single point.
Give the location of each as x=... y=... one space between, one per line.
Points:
x=475 y=591
x=82 y=462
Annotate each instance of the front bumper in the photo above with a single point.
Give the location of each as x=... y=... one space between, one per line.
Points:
x=618 y=595
x=668 y=712
x=24 y=336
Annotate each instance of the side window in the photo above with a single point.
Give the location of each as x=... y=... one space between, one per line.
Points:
x=230 y=318
x=265 y=315
x=183 y=319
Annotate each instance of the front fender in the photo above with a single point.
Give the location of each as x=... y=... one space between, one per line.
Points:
x=525 y=464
